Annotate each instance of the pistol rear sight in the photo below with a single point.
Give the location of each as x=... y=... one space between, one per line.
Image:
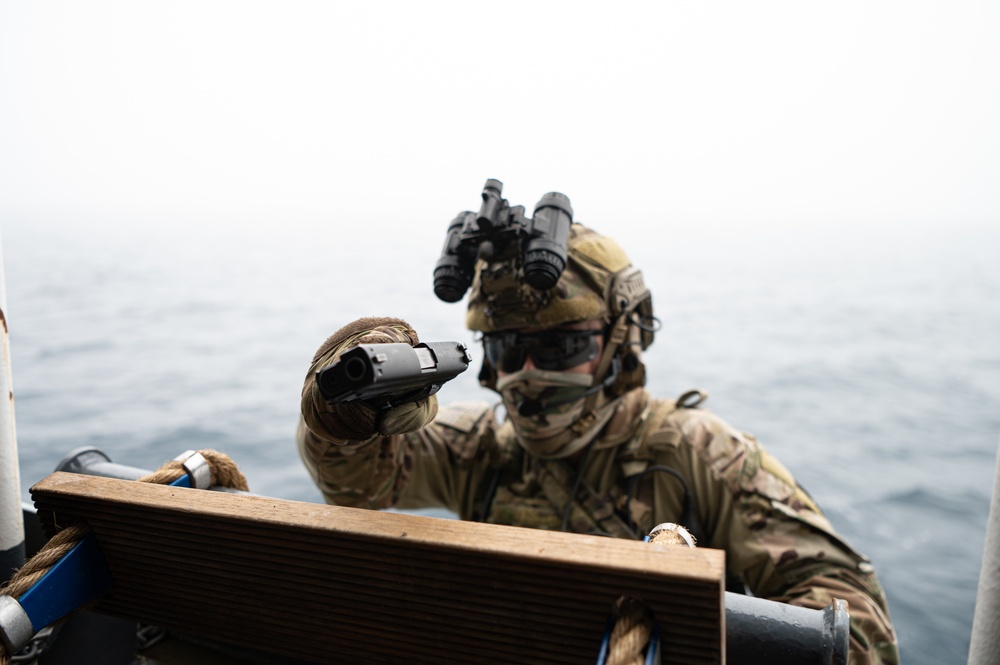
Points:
x=538 y=242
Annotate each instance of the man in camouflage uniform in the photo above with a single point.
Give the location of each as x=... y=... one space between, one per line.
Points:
x=584 y=447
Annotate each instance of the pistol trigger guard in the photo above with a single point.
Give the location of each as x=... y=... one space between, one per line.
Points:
x=392 y=401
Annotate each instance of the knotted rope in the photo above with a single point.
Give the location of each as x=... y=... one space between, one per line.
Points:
x=48 y=556
x=634 y=624
x=631 y=632
x=224 y=473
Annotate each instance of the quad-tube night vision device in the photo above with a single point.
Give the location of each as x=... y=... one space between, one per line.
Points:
x=536 y=245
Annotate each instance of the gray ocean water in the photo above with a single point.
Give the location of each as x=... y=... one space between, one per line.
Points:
x=867 y=359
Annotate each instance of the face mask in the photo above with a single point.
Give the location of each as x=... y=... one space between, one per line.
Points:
x=544 y=406
x=543 y=403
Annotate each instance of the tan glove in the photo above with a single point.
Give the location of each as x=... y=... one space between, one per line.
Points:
x=358 y=421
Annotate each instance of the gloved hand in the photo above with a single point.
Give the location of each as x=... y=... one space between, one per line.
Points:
x=358 y=421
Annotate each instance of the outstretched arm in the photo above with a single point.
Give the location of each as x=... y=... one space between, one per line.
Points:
x=411 y=456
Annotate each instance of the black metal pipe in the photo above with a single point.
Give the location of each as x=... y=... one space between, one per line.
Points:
x=765 y=632
x=92 y=461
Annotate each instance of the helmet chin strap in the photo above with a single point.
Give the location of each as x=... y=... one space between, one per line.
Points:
x=609 y=365
x=533 y=407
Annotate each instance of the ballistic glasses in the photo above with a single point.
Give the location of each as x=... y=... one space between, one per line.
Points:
x=553 y=350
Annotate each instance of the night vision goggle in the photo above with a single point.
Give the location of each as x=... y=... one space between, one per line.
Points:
x=499 y=229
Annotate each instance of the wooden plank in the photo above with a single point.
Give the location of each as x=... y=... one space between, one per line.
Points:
x=311 y=580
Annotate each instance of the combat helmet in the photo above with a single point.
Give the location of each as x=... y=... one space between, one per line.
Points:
x=536 y=273
x=598 y=282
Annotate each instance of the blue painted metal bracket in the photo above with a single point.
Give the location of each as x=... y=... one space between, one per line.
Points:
x=80 y=577
x=653 y=651
x=183 y=481
x=602 y=655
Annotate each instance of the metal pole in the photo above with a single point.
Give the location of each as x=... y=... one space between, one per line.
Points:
x=985 y=646
x=11 y=521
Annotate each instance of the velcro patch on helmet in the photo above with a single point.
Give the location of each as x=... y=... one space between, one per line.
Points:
x=500 y=300
x=601 y=251
x=628 y=290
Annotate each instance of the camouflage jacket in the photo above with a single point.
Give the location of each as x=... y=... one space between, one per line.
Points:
x=651 y=456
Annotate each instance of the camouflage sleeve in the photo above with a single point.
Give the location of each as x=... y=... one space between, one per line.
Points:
x=441 y=465
x=776 y=538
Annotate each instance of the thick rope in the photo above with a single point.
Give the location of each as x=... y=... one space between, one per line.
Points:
x=634 y=625
x=630 y=634
x=669 y=538
x=224 y=473
x=48 y=556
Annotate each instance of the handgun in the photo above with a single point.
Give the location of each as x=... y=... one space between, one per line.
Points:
x=387 y=375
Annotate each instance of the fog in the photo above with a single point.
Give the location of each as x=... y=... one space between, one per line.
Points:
x=724 y=114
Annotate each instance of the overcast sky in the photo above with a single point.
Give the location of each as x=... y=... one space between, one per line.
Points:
x=795 y=112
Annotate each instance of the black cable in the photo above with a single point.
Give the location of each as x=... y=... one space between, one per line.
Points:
x=576 y=486
x=654 y=325
x=491 y=492
x=688 y=518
